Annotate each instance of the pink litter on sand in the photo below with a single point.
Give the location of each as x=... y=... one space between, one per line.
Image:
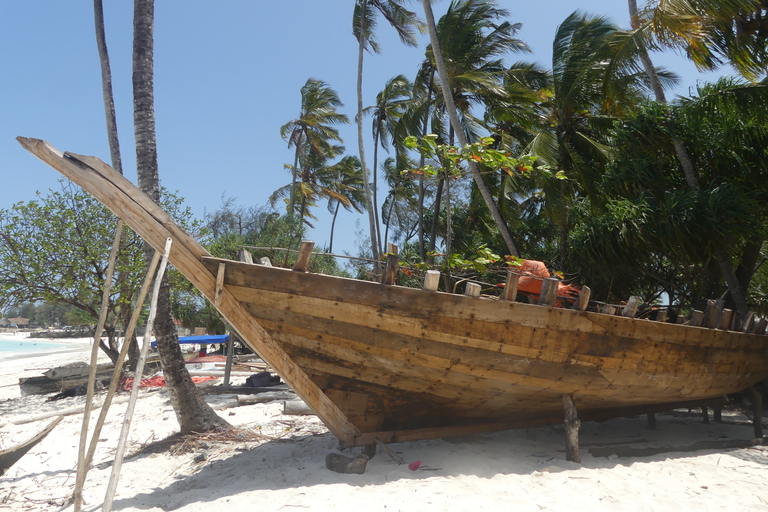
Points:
x=413 y=466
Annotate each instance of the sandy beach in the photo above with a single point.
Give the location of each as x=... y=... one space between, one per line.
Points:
x=277 y=462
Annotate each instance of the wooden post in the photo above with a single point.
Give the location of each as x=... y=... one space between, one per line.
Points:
x=717 y=413
x=305 y=252
x=510 y=287
x=230 y=355
x=761 y=326
x=710 y=315
x=548 y=294
x=431 y=280
x=265 y=261
x=630 y=310
x=757 y=411
x=696 y=318
x=473 y=290
x=705 y=414
x=661 y=316
x=390 y=272
x=572 y=424
x=246 y=256
x=607 y=309
x=746 y=325
x=652 y=421
x=583 y=301
x=726 y=319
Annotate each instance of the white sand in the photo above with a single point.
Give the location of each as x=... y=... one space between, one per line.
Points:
x=503 y=471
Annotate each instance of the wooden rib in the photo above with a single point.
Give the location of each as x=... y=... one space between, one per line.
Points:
x=510 y=287
x=710 y=315
x=305 y=253
x=583 y=301
x=726 y=319
x=630 y=309
x=390 y=271
x=154 y=225
x=246 y=256
x=265 y=261
x=548 y=294
x=473 y=290
x=661 y=315
x=431 y=280
x=696 y=318
x=219 y=285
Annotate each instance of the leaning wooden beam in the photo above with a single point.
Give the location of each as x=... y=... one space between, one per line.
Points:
x=143 y=215
x=305 y=253
x=583 y=301
x=82 y=468
x=572 y=424
x=219 y=284
x=123 y=441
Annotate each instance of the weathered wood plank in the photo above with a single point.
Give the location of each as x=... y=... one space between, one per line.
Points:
x=431 y=280
x=548 y=294
x=583 y=301
x=391 y=269
x=472 y=290
x=630 y=309
x=510 y=286
x=305 y=253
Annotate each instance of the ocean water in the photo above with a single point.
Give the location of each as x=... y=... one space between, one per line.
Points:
x=12 y=347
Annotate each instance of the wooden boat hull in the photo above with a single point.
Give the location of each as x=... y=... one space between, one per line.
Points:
x=11 y=456
x=397 y=364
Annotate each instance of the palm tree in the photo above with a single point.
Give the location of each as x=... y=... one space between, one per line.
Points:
x=402 y=201
x=313 y=130
x=587 y=94
x=363 y=25
x=192 y=412
x=391 y=102
x=447 y=88
x=349 y=183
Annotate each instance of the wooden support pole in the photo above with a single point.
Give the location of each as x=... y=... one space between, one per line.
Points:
x=757 y=411
x=265 y=261
x=305 y=253
x=717 y=413
x=696 y=318
x=548 y=294
x=661 y=316
x=230 y=355
x=572 y=424
x=510 y=287
x=583 y=301
x=652 y=421
x=246 y=256
x=123 y=441
x=705 y=414
x=390 y=271
x=431 y=280
x=630 y=309
x=219 y=284
x=473 y=290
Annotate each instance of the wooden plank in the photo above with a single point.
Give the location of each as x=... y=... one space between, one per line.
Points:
x=548 y=294
x=510 y=286
x=219 y=285
x=583 y=301
x=630 y=309
x=305 y=253
x=431 y=280
x=473 y=290
x=148 y=220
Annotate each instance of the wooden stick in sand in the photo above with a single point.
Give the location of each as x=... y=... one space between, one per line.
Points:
x=115 y=476
x=81 y=465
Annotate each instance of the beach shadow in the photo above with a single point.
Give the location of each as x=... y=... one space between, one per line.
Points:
x=300 y=462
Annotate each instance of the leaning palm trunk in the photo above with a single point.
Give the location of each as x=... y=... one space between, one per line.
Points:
x=361 y=144
x=192 y=412
x=721 y=255
x=456 y=124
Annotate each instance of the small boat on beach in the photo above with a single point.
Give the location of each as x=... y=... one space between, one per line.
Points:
x=11 y=456
x=383 y=362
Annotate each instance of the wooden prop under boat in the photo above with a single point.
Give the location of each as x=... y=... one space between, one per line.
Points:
x=385 y=362
x=11 y=456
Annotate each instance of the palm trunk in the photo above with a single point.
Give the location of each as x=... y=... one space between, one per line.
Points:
x=333 y=225
x=292 y=201
x=454 y=116
x=422 y=160
x=375 y=188
x=361 y=144
x=192 y=412
x=723 y=260
x=436 y=215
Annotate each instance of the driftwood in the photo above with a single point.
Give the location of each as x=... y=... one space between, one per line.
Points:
x=261 y=398
x=297 y=407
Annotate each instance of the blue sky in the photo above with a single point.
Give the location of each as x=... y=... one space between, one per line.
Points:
x=227 y=76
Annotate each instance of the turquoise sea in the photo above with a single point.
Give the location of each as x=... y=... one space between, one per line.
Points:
x=12 y=347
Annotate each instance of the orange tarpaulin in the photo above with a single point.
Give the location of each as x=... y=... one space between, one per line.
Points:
x=158 y=381
x=531 y=274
